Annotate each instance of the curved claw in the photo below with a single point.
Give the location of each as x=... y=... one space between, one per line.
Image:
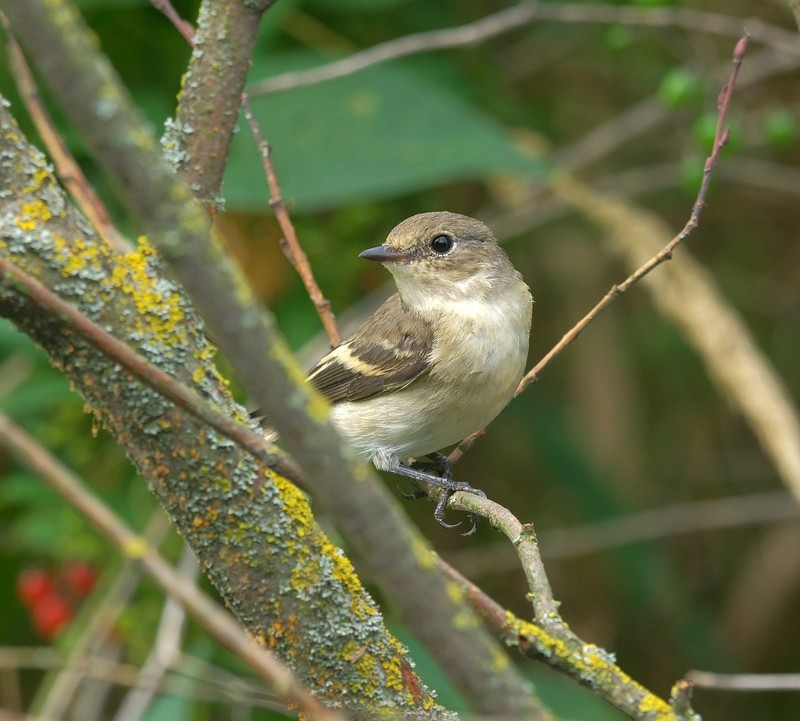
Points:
x=415 y=495
x=474 y=519
x=438 y=514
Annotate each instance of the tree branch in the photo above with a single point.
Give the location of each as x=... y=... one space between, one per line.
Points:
x=548 y=637
x=518 y=16
x=198 y=140
x=257 y=540
x=366 y=513
x=219 y=624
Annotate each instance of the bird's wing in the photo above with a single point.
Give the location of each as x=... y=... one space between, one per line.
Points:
x=387 y=352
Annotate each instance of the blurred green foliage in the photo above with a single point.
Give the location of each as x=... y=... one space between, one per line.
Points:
x=627 y=419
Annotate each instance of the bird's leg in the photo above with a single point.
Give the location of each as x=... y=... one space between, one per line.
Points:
x=387 y=461
x=439 y=462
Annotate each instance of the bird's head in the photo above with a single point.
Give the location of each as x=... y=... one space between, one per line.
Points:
x=443 y=256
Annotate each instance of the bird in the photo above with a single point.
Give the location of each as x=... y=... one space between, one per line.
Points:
x=439 y=359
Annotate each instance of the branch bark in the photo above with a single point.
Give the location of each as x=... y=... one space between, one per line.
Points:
x=197 y=141
x=399 y=559
x=282 y=578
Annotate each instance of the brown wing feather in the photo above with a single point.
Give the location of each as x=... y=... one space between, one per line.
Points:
x=389 y=350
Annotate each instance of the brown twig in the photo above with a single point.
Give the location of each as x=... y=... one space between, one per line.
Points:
x=217 y=622
x=720 y=140
x=184 y=27
x=290 y=245
x=68 y=171
x=150 y=374
x=518 y=16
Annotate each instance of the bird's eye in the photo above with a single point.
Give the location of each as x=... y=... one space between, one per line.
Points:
x=441 y=243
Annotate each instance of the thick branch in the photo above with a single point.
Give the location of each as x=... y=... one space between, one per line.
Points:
x=252 y=531
x=199 y=138
x=213 y=619
x=396 y=554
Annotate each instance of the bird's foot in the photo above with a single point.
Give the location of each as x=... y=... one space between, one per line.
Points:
x=444 y=497
x=421 y=474
x=444 y=480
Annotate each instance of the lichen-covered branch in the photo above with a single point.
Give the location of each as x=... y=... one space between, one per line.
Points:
x=220 y=625
x=548 y=637
x=399 y=559
x=288 y=585
x=199 y=137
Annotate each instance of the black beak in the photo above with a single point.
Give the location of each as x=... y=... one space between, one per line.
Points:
x=384 y=254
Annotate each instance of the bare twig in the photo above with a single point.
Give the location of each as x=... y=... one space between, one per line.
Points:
x=169 y=387
x=184 y=27
x=746 y=681
x=217 y=622
x=720 y=140
x=519 y=16
x=464 y=35
x=290 y=244
x=68 y=171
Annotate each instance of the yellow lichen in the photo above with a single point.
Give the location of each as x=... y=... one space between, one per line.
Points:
x=32 y=213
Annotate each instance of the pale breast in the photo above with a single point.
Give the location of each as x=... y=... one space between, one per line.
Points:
x=477 y=360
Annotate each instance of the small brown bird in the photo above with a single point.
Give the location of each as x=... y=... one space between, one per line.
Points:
x=440 y=358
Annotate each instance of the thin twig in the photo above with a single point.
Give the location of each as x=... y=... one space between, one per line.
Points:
x=461 y=36
x=217 y=622
x=519 y=16
x=720 y=140
x=290 y=245
x=184 y=397
x=67 y=169
x=184 y=27
x=746 y=681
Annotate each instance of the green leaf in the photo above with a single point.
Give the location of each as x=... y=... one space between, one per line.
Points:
x=380 y=133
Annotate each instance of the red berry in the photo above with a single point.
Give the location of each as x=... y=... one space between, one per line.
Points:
x=50 y=614
x=34 y=584
x=80 y=578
